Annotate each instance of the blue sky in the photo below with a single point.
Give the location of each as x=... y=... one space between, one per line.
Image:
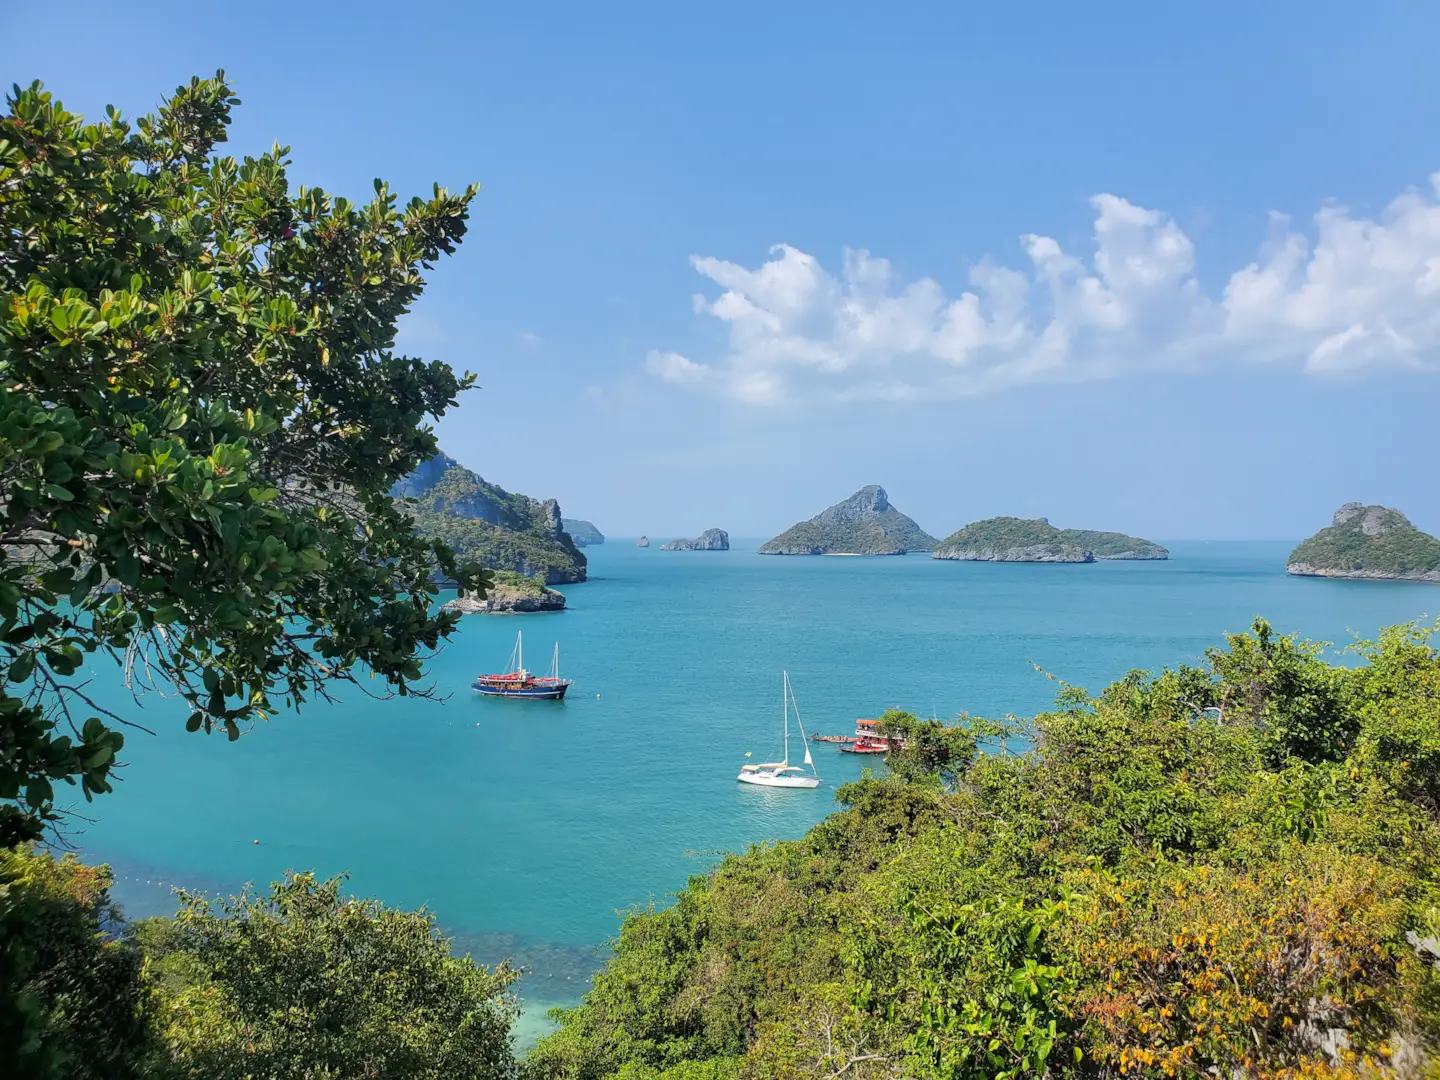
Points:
x=1173 y=269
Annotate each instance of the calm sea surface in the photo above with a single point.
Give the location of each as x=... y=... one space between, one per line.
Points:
x=526 y=826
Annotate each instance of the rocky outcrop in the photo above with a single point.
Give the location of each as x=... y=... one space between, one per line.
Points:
x=508 y=600
x=709 y=540
x=1009 y=539
x=864 y=524
x=582 y=532
x=644 y=541
x=1368 y=542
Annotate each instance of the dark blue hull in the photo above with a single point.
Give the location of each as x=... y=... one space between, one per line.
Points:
x=535 y=693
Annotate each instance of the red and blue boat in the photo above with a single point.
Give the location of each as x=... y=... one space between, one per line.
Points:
x=519 y=683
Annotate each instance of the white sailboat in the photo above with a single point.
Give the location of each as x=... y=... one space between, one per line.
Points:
x=782 y=773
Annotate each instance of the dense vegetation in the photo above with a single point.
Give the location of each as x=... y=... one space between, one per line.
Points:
x=1011 y=539
x=1369 y=541
x=300 y=982
x=486 y=524
x=864 y=524
x=1227 y=870
x=200 y=410
x=1114 y=545
x=582 y=532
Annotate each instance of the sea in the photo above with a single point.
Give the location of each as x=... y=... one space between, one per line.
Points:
x=530 y=828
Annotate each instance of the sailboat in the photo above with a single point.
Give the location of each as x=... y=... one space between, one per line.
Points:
x=782 y=773
x=519 y=683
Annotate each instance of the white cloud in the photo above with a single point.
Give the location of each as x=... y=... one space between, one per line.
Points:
x=1355 y=296
x=529 y=340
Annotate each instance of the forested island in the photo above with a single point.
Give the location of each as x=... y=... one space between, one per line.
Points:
x=709 y=540
x=863 y=524
x=1011 y=539
x=1373 y=542
x=582 y=532
x=483 y=522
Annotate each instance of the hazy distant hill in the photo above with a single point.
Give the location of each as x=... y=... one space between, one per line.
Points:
x=582 y=532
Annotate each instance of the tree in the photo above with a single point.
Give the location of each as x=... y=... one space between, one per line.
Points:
x=201 y=416
x=307 y=982
x=72 y=999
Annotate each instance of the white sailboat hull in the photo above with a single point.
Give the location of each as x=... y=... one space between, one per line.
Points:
x=771 y=780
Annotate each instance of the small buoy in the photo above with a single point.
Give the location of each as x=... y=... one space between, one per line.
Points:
x=254 y=841
x=597 y=697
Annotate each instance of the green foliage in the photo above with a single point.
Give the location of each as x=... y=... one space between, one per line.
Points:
x=72 y=1000
x=1005 y=539
x=1200 y=872
x=201 y=416
x=1372 y=540
x=306 y=982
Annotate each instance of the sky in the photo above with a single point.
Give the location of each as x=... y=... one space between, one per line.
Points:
x=1172 y=269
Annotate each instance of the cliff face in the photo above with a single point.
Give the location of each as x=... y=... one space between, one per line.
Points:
x=709 y=540
x=582 y=532
x=1009 y=539
x=1368 y=542
x=864 y=524
x=485 y=523
x=644 y=541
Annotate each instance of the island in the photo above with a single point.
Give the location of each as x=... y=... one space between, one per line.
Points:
x=512 y=594
x=864 y=524
x=582 y=532
x=1114 y=545
x=709 y=540
x=1368 y=542
x=484 y=523
x=1012 y=539
x=644 y=541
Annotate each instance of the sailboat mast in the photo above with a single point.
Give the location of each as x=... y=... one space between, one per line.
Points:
x=785 y=713
x=519 y=650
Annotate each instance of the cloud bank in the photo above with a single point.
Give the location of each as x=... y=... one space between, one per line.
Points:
x=1361 y=296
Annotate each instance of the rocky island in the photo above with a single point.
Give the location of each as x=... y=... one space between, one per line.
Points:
x=1372 y=542
x=485 y=523
x=1114 y=545
x=512 y=594
x=1011 y=539
x=864 y=524
x=644 y=541
x=709 y=540
x=582 y=532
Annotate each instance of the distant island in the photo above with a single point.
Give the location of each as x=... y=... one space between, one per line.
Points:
x=1114 y=545
x=512 y=594
x=864 y=524
x=709 y=540
x=1373 y=542
x=485 y=523
x=644 y=541
x=1012 y=539
x=582 y=532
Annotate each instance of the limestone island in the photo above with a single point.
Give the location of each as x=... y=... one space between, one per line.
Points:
x=512 y=594
x=484 y=523
x=1012 y=539
x=709 y=540
x=644 y=541
x=864 y=524
x=1373 y=542
x=582 y=532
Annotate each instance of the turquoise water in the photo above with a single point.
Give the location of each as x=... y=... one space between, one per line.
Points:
x=526 y=826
